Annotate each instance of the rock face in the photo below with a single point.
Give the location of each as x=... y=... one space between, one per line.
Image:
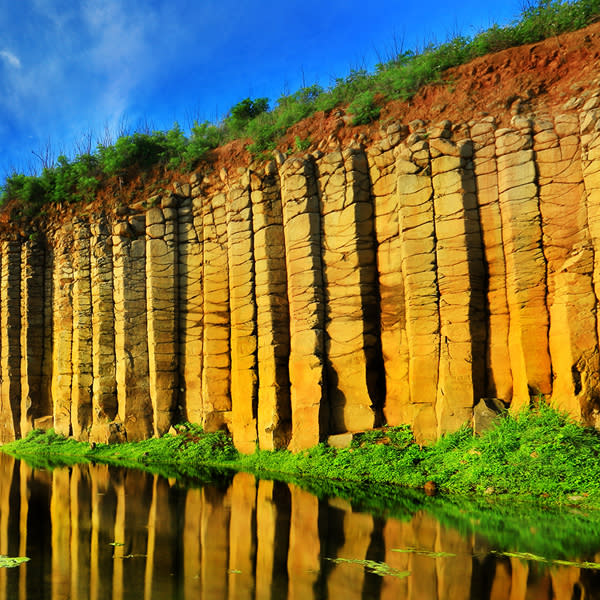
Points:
x=321 y=294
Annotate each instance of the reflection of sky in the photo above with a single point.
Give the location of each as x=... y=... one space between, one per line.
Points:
x=70 y=67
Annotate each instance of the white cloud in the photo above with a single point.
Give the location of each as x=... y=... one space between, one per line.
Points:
x=10 y=58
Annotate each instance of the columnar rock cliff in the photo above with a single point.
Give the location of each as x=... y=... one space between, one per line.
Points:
x=394 y=282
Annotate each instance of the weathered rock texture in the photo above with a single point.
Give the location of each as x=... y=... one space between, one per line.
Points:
x=321 y=293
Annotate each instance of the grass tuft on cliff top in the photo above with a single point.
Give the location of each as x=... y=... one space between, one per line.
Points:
x=263 y=123
x=539 y=454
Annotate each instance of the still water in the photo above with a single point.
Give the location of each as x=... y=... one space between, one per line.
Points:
x=98 y=533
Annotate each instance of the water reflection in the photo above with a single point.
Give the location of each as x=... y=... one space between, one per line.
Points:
x=97 y=533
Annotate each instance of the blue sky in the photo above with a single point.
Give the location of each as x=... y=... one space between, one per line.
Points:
x=69 y=68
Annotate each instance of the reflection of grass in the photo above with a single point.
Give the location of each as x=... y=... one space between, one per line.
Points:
x=371 y=566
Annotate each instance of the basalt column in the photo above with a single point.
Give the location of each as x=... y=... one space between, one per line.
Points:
x=243 y=315
x=525 y=263
x=485 y=167
x=162 y=305
x=272 y=311
x=81 y=394
x=190 y=306
x=104 y=387
x=460 y=277
x=62 y=329
x=419 y=271
x=573 y=340
x=589 y=130
x=349 y=273
x=216 y=365
x=302 y=233
x=392 y=317
x=10 y=341
x=33 y=405
x=131 y=335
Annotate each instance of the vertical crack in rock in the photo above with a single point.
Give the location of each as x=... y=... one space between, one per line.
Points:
x=302 y=232
x=244 y=383
x=417 y=234
x=272 y=310
x=162 y=310
x=216 y=365
x=525 y=263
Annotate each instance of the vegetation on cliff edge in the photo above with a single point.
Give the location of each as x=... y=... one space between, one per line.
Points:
x=400 y=77
x=538 y=454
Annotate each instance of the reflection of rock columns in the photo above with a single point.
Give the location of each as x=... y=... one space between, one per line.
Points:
x=393 y=588
x=215 y=544
x=81 y=529
x=60 y=514
x=304 y=561
x=454 y=573
x=345 y=580
x=272 y=530
x=104 y=507
x=9 y=509
x=242 y=537
x=192 y=546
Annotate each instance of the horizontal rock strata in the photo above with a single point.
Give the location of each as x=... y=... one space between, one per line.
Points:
x=321 y=293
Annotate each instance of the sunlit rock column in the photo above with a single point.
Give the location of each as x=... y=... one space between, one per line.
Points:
x=216 y=365
x=349 y=274
x=190 y=304
x=485 y=168
x=162 y=307
x=104 y=386
x=62 y=329
x=419 y=271
x=525 y=262
x=81 y=394
x=461 y=279
x=573 y=339
x=240 y=248
x=242 y=537
x=392 y=313
x=272 y=311
x=131 y=341
x=32 y=333
x=302 y=232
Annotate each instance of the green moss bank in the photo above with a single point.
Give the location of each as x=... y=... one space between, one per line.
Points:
x=539 y=455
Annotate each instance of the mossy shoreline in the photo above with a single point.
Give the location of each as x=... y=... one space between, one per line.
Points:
x=538 y=456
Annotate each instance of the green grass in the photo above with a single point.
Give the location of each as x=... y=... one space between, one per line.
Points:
x=530 y=486
x=400 y=77
x=539 y=454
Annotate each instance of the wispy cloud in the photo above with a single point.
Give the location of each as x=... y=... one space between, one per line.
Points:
x=10 y=58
